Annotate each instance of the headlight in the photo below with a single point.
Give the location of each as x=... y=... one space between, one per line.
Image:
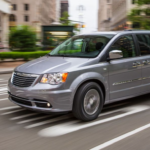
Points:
x=54 y=78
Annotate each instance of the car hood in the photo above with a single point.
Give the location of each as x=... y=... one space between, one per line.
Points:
x=48 y=64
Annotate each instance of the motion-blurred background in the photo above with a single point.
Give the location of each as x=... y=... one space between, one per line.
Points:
x=32 y=28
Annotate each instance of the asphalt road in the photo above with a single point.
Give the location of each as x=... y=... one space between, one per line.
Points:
x=123 y=125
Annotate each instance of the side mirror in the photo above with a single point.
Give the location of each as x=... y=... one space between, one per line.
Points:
x=115 y=54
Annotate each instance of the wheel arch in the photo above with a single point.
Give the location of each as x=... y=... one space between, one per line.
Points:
x=92 y=80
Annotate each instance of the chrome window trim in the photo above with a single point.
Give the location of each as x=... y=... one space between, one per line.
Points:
x=25 y=74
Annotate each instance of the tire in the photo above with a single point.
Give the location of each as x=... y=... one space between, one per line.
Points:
x=86 y=107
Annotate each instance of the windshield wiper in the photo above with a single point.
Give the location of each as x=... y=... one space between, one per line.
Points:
x=65 y=56
x=60 y=55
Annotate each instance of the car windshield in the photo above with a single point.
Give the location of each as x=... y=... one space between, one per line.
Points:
x=79 y=46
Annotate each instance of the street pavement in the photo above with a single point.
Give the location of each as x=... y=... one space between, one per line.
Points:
x=124 y=125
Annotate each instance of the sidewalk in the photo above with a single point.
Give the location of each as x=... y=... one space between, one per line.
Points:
x=8 y=67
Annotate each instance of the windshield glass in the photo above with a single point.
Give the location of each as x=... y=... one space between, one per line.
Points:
x=80 y=46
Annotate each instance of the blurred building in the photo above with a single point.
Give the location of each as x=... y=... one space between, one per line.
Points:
x=64 y=7
x=120 y=10
x=61 y=7
x=112 y=14
x=32 y=12
x=4 y=21
x=104 y=15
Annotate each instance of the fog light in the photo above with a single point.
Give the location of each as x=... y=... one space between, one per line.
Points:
x=48 y=104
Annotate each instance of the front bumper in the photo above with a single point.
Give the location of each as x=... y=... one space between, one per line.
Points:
x=36 y=98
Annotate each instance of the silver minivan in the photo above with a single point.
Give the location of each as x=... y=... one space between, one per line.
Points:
x=84 y=73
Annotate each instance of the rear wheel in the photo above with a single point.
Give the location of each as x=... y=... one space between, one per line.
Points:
x=88 y=102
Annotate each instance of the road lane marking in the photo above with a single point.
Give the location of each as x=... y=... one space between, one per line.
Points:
x=66 y=128
x=11 y=107
x=34 y=119
x=23 y=116
x=4 y=81
x=3 y=93
x=4 y=99
x=48 y=121
x=115 y=140
x=11 y=112
x=42 y=117
x=3 y=89
x=110 y=112
x=3 y=84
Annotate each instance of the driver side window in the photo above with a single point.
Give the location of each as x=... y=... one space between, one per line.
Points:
x=126 y=45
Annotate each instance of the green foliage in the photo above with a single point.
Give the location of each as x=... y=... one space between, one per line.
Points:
x=64 y=20
x=22 y=55
x=22 y=38
x=140 y=16
x=142 y=2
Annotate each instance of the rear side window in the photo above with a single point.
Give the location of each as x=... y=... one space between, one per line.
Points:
x=144 y=43
x=126 y=45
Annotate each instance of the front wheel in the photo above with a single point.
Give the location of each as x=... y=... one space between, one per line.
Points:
x=88 y=102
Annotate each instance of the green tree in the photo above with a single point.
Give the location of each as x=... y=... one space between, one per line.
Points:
x=140 y=15
x=22 y=38
x=64 y=20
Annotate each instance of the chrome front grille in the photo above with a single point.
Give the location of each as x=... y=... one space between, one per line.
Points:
x=22 y=79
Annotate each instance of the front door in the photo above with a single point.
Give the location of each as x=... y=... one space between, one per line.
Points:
x=124 y=73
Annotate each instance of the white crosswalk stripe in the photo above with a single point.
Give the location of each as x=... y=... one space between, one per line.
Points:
x=66 y=123
x=4 y=99
x=34 y=119
x=48 y=121
x=5 y=93
x=69 y=127
x=11 y=107
x=11 y=112
x=3 y=85
x=3 y=80
x=23 y=116
x=3 y=89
